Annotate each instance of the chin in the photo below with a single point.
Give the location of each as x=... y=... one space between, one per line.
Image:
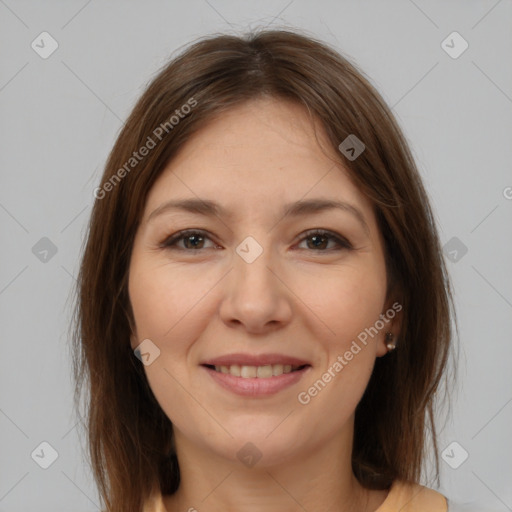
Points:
x=260 y=443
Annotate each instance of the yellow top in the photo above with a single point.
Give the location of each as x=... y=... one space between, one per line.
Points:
x=405 y=497
x=402 y=497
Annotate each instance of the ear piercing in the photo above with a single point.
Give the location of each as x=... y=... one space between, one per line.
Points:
x=389 y=342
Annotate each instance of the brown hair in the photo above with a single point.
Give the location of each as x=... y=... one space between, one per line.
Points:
x=129 y=436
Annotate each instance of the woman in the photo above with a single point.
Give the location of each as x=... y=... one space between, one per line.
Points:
x=263 y=314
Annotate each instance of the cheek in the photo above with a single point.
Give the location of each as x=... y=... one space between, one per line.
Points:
x=346 y=301
x=348 y=306
x=340 y=381
x=168 y=310
x=332 y=397
x=164 y=382
x=164 y=298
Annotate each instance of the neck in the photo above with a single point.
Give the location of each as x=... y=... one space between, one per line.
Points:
x=321 y=479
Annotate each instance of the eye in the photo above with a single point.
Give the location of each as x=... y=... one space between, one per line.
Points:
x=195 y=239
x=321 y=237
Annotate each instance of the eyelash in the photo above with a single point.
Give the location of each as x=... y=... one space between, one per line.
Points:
x=170 y=242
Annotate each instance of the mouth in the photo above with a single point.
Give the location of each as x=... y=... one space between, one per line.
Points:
x=260 y=372
x=266 y=376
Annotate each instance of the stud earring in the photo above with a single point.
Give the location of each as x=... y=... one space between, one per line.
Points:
x=389 y=341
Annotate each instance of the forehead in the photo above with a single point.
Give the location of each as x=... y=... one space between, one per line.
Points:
x=262 y=153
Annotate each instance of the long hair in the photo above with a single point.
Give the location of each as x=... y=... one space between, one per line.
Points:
x=130 y=440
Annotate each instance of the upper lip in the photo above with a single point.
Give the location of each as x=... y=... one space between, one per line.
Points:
x=254 y=360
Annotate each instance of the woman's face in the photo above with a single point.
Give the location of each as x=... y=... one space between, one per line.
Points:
x=257 y=291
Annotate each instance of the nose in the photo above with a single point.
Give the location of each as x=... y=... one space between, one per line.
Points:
x=257 y=297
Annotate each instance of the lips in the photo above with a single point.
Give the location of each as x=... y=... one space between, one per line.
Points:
x=256 y=375
x=256 y=386
x=255 y=360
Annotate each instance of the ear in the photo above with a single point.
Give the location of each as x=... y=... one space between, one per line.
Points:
x=134 y=343
x=392 y=318
x=134 y=338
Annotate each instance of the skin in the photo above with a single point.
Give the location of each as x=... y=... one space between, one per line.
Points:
x=295 y=299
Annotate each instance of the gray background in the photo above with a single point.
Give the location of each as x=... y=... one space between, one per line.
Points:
x=61 y=115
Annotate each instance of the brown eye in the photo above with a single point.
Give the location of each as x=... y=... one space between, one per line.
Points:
x=321 y=238
x=192 y=240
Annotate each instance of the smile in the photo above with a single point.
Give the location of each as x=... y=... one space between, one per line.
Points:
x=260 y=372
x=256 y=381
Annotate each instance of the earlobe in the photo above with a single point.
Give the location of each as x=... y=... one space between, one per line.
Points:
x=388 y=338
x=390 y=341
x=387 y=343
x=133 y=341
x=133 y=332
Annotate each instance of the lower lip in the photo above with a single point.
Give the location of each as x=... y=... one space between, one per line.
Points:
x=255 y=386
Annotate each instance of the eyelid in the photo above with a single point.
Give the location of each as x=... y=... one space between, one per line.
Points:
x=339 y=239
x=342 y=242
x=170 y=241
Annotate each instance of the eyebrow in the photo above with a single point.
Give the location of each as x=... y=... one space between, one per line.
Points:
x=210 y=208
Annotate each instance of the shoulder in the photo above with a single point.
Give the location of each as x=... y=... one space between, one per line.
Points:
x=411 y=497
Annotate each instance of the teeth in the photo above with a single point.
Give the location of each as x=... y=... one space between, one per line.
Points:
x=264 y=372
x=261 y=372
x=248 y=372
